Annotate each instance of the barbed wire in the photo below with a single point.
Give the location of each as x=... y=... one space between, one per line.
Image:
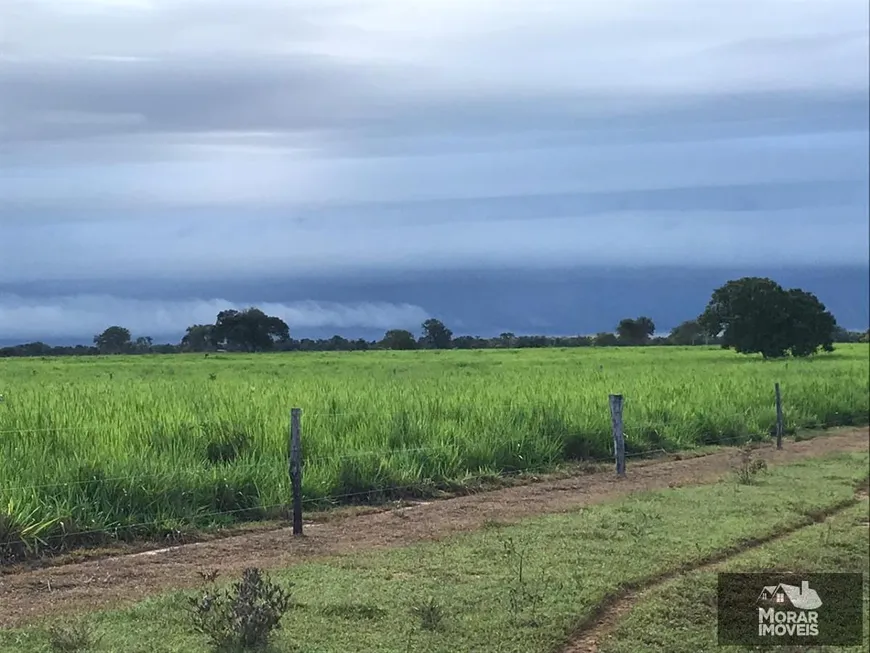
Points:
x=199 y=425
x=410 y=414
x=231 y=469
x=108 y=530
x=421 y=486
x=227 y=469
x=53 y=429
x=332 y=498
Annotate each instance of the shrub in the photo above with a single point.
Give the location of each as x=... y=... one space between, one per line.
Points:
x=243 y=617
x=73 y=638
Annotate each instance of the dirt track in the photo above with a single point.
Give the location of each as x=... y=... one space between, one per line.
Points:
x=112 y=582
x=588 y=638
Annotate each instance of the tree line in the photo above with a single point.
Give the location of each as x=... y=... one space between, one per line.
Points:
x=749 y=315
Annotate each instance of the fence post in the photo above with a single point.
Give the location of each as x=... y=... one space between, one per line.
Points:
x=618 y=435
x=779 y=424
x=296 y=467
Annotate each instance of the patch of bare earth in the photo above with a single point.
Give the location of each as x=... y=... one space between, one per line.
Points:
x=112 y=582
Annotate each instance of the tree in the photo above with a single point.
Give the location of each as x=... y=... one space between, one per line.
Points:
x=398 y=339
x=846 y=336
x=249 y=330
x=114 y=340
x=436 y=335
x=756 y=315
x=338 y=343
x=143 y=345
x=635 y=332
x=465 y=342
x=604 y=339
x=687 y=333
x=811 y=326
x=199 y=337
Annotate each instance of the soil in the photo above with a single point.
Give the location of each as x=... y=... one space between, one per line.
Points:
x=113 y=582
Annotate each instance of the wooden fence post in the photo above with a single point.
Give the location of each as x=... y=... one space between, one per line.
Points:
x=296 y=467
x=779 y=423
x=618 y=435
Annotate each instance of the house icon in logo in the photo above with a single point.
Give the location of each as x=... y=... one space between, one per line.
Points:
x=802 y=598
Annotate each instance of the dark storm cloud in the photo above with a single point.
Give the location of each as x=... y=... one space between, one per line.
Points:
x=197 y=140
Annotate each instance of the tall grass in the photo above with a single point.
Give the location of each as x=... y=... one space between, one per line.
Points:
x=150 y=445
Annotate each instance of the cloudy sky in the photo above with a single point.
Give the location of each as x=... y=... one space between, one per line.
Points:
x=362 y=164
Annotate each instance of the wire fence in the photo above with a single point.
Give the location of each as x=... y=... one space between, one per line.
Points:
x=463 y=476
x=235 y=466
x=281 y=510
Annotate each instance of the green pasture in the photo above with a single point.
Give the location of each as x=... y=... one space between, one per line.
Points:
x=153 y=444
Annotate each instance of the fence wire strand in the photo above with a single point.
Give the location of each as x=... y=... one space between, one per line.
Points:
x=411 y=415
x=420 y=488
x=552 y=468
x=224 y=471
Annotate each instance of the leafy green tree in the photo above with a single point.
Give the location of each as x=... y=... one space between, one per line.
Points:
x=846 y=336
x=635 y=332
x=436 y=335
x=465 y=342
x=143 y=345
x=199 y=337
x=398 y=339
x=756 y=315
x=687 y=333
x=337 y=343
x=604 y=339
x=114 y=340
x=249 y=330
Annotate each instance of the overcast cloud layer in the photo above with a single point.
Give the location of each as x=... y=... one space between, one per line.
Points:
x=147 y=143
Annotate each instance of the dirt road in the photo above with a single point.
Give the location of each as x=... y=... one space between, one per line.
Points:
x=112 y=582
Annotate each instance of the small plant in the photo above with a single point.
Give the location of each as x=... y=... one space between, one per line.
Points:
x=399 y=512
x=749 y=468
x=209 y=576
x=430 y=614
x=524 y=595
x=73 y=638
x=243 y=617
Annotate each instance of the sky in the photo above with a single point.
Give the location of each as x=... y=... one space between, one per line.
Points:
x=358 y=165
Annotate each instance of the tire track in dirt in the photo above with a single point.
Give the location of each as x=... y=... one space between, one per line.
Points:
x=594 y=629
x=113 y=582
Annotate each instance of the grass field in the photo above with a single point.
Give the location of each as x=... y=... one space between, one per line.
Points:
x=479 y=600
x=152 y=444
x=679 y=617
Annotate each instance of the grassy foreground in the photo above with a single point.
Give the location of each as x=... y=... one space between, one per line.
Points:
x=155 y=444
x=571 y=563
x=677 y=617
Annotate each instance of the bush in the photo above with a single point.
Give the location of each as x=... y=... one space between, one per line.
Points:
x=73 y=638
x=243 y=617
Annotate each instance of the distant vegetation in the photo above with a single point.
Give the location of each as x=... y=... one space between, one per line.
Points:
x=750 y=315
